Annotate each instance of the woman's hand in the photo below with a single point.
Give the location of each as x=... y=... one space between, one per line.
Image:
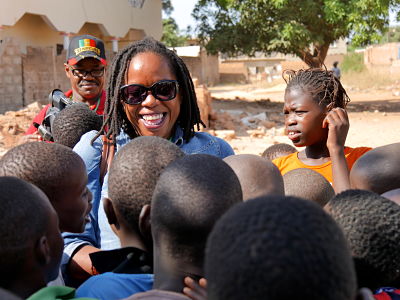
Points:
x=34 y=137
x=337 y=122
x=195 y=290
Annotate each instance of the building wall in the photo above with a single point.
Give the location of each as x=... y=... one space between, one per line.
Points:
x=11 y=93
x=210 y=68
x=382 y=54
x=29 y=76
x=116 y=16
x=203 y=67
x=338 y=47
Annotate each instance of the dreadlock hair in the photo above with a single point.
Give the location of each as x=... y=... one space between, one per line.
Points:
x=322 y=85
x=114 y=116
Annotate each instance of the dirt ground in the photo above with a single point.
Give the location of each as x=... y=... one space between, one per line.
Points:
x=374 y=117
x=250 y=118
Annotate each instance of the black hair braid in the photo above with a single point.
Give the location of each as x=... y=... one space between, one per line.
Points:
x=115 y=118
x=323 y=86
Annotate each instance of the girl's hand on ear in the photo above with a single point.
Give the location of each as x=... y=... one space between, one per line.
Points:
x=195 y=290
x=337 y=122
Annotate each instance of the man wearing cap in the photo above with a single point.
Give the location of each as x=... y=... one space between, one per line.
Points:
x=85 y=68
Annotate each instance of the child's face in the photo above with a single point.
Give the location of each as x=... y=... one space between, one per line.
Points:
x=303 y=118
x=73 y=201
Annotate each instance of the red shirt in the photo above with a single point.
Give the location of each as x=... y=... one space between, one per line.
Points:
x=98 y=108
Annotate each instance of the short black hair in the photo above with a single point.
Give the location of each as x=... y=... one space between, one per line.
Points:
x=74 y=121
x=42 y=164
x=114 y=116
x=134 y=172
x=277 y=248
x=377 y=170
x=23 y=219
x=278 y=150
x=257 y=176
x=371 y=224
x=308 y=184
x=191 y=194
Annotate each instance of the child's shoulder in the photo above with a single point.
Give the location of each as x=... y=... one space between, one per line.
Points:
x=356 y=152
x=286 y=158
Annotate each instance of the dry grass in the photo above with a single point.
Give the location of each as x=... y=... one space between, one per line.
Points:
x=375 y=78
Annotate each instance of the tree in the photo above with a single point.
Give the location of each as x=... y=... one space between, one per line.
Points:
x=304 y=28
x=167 y=7
x=171 y=34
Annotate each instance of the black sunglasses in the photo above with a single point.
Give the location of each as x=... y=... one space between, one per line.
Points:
x=83 y=73
x=163 y=90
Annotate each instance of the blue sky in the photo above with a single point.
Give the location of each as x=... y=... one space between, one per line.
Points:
x=182 y=12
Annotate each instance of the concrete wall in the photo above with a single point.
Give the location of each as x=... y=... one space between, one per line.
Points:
x=116 y=16
x=233 y=72
x=385 y=54
x=203 y=67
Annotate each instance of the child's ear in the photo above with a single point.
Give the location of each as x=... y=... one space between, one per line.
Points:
x=42 y=251
x=144 y=222
x=110 y=212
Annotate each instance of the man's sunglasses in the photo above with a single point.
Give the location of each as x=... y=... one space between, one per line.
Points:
x=83 y=73
x=163 y=90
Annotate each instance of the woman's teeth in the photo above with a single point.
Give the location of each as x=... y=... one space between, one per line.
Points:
x=152 y=117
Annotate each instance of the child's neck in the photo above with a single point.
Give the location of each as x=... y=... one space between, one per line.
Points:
x=315 y=154
x=169 y=273
x=131 y=239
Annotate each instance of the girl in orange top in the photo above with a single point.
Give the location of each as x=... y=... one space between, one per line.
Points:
x=315 y=118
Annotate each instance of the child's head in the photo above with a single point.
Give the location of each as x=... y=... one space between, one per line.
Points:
x=30 y=241
x=278 y=150
x=257 y=176
x=73 y=122
x=308 y=184
x=310 y=94
x=371 y=224
x=278 y=247
x=60 y=173
x=377 y=170
x=133 y=176
x=6 y=295
x=393 y=195
x=191 y=195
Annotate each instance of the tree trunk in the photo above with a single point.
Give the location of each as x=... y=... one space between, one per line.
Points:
x=317 y=58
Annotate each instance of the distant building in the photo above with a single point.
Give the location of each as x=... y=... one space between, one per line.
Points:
x=53 y=22
x=202 y=66
x=35 y=34
x=266 y=67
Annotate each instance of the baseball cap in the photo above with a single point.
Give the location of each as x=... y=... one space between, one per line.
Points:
x=84 y=46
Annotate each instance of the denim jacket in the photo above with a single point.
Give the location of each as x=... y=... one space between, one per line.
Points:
x=98 y=233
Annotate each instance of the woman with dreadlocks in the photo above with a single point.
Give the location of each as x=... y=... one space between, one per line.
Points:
x=315 y=118
x=149 y=93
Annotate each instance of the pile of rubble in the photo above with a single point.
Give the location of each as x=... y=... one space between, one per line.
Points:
x=13 y=124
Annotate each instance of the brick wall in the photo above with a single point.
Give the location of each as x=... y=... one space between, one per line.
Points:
x=10 y=76
x=31 y=76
